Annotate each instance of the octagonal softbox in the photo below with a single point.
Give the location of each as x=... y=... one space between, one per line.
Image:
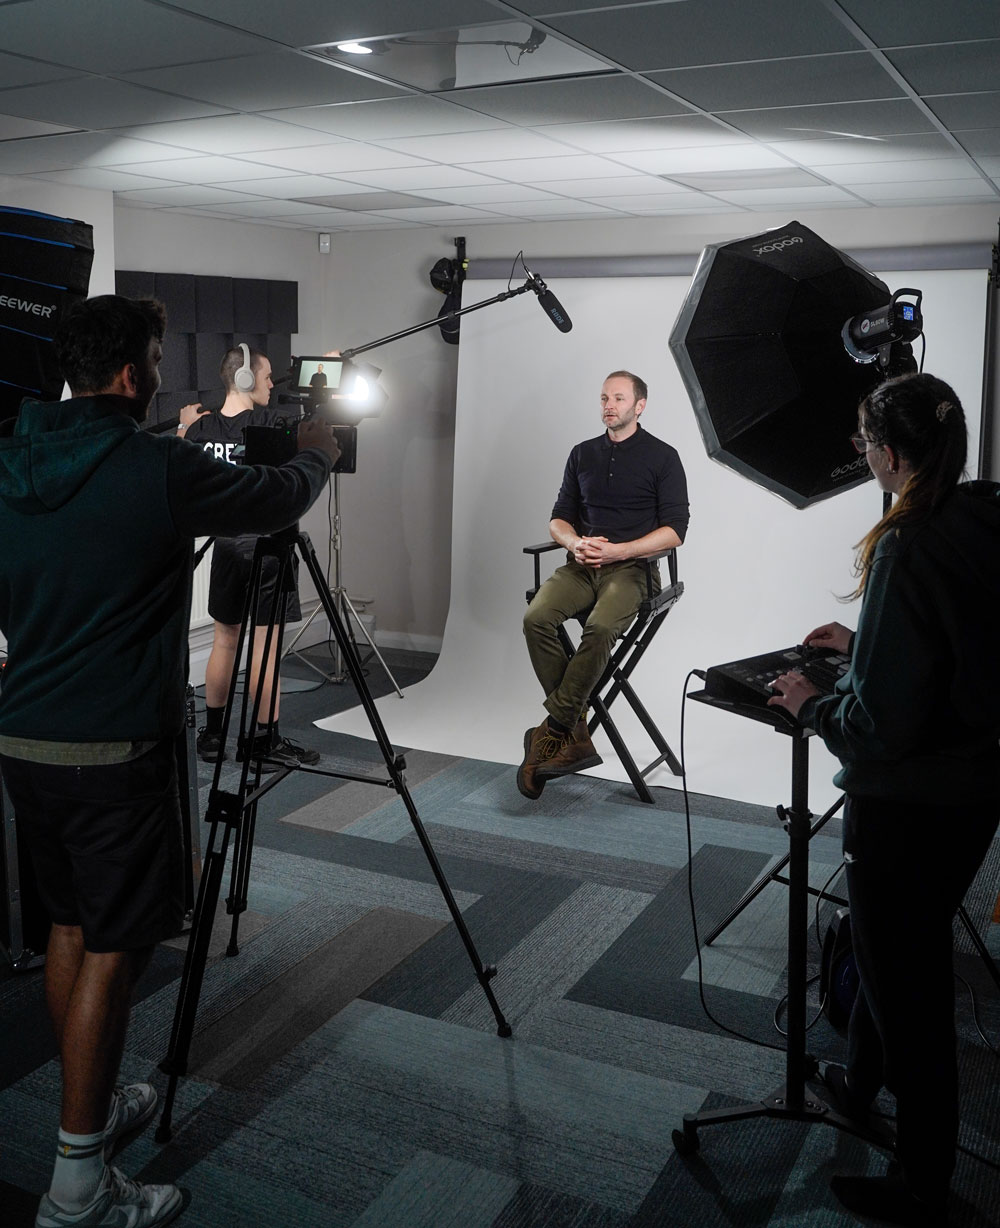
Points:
x=45 y=265
x=758 y=345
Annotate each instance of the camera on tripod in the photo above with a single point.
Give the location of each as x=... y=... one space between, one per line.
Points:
x=336 y=389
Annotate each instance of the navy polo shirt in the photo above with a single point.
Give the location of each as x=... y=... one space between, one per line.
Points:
x=622 y=491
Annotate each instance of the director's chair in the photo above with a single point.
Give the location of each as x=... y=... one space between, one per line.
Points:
x=615 y=680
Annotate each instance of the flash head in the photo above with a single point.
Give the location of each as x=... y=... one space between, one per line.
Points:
x=883 y=335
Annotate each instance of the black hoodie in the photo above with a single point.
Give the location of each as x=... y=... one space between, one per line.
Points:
x=917 y=717
x=97 y=523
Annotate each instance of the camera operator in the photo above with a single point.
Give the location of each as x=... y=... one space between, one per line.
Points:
x=98 y=519
x=220 y=433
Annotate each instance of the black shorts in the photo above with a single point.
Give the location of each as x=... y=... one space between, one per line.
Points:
x=107 y=845
x=232 y=558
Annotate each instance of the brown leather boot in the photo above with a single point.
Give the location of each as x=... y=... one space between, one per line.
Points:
x=576 y=753
x=540 y=745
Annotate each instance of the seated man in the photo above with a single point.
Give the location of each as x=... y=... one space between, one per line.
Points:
x=219 y=433
x=623 y=500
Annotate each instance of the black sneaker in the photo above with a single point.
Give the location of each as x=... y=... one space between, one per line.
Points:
x=209 y=745
x=284 y=753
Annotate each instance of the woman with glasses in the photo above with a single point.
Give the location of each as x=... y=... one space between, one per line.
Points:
x=915 y=723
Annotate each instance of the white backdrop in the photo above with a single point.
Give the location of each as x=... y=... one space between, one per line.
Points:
x=758 y=573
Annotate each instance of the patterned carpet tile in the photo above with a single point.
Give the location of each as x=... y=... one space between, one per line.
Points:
x=436 y=1191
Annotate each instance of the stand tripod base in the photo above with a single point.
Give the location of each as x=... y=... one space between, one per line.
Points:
x=810 y=1108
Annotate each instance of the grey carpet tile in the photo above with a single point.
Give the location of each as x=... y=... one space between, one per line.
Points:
x=552 y=957
x=527 y=854
x=502 y=1104
x=439 y=973
x=288 y=1008
x=435 y=1191
x=541 y=1208
x=657 y=947
x=734 y=1067
x=352 y=801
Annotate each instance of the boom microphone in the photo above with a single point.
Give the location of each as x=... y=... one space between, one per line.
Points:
x=550 y=304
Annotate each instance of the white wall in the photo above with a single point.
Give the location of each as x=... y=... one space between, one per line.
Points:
x=397 y=507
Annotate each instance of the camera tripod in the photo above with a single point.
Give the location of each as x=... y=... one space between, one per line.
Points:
x=235 y=814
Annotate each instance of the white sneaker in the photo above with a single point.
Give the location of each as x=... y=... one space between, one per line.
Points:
x=132 y=1106
x=119 y=1203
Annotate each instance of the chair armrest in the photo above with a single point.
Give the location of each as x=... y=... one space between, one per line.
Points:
x=536 y=552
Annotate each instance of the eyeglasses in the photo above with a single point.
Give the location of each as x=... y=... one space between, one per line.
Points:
x=862 y=444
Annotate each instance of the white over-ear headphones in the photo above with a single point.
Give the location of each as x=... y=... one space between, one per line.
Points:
x=244 y=379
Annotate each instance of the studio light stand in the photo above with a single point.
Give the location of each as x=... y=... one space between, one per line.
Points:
x=349 y=614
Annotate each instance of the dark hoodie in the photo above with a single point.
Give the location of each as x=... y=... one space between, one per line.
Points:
x=97 y=522
x=917 y=717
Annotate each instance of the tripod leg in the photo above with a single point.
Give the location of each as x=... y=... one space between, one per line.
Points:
x=395 y=767
x=175 y=1063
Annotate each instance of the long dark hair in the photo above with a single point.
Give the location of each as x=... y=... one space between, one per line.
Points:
x=922 y=420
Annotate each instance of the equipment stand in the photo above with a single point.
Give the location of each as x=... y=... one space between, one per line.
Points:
x=789 y=1101
x=343 y=600
x=235 y=813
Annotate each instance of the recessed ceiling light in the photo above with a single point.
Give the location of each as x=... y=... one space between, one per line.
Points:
x=354 y=48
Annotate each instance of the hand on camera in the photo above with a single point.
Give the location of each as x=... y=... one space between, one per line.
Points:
x=315 y=433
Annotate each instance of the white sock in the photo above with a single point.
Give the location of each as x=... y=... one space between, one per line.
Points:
x=78 y=1170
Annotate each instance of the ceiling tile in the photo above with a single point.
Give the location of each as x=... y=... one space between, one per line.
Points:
x=291 y=187
x=185 y=194
x=437 y=213
x=674 y=132
x=984 y=141
x=883 y=171
x=15 y=71
x=797 y=198
x=499 y=142
x=388 y=117
x=775 y=83
x=224 y=134
x=319 y=21
x=534 y=170
x=431 y=175
x=13 y=127
x=99 y=102
x=690 y=160
x=340 y=157
x=566 y=101
x=901 y=23
x=102 y=179
x=117 y=35
x=262 y=83
x=51 y=153
x=967 y=110
x=733 y=180
x=922 y=190
x=890 y=118
x=842 y=151
x=365 y=201
x=554 y=208
x=612 y=185
x=202 y=169
x=708 y=32
x=489 y=194
x=951 y=68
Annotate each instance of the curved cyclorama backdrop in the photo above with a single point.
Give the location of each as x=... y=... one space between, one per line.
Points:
x=758 y=573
